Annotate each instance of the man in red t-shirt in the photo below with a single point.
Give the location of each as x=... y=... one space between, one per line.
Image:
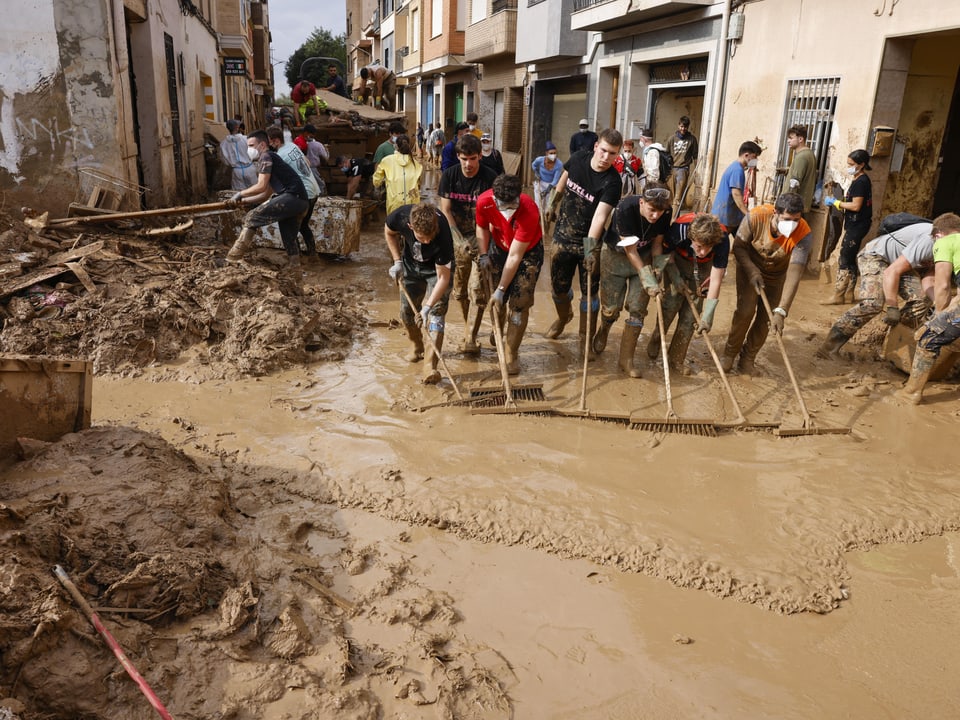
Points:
x=514 y=258
x=304 y=93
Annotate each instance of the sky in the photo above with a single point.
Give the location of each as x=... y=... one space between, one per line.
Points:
x=292 y=21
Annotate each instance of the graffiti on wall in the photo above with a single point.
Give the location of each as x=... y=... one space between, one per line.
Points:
x=24 y=138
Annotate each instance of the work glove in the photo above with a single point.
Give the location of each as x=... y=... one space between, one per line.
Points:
x=396 y=270
x=831 y=201
x=550 y=215
x=756 y=280
x=484 y=263
x=235 y=199
x=498 y=297
x=776 y=322
x=706 y=317
x=591 y=263
x=892 y=315
x=591 y=254
x=421 y=319
x=649 y=281
x=672 y=273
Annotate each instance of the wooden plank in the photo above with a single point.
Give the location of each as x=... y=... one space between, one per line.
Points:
x=82 y=276
x=53 y=268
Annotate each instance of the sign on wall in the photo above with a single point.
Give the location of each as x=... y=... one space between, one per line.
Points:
x=234 y=66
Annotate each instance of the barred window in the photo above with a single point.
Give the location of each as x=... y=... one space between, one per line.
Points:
x=811 y=103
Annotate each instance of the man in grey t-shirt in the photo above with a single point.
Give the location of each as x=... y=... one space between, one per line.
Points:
x=890 y=265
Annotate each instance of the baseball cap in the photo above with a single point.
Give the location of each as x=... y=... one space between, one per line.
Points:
x=584 y=122
x=550 y=146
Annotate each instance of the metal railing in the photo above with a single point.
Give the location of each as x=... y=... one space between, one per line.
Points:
x=584 y=4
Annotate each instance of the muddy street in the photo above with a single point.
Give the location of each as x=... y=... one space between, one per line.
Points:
x=309 y=543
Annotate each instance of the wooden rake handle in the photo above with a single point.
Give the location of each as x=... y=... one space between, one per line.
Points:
x=426 y=335
x=807 y=422
x=498 y=341
x=741 y=418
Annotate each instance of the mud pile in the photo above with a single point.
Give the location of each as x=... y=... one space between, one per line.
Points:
x=133 y=302
x=222 y=602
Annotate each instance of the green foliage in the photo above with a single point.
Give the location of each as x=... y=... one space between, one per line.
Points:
x=320 y=43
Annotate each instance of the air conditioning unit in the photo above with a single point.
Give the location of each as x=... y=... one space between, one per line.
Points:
x=404 y=51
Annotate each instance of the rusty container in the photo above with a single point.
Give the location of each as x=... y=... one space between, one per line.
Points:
x=42 y=398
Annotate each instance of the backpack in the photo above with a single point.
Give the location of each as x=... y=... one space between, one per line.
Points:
x=666 y=165
x=898 y=221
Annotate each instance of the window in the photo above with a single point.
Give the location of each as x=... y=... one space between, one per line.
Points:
x=436 y=21
x=478 y=10
x=415 y=30
x=813 y=104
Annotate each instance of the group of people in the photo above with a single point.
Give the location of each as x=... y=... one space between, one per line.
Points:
x=627 y=250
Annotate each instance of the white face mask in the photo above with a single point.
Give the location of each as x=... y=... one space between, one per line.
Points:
x=752 y=163
x=786 y=227
x=473 y=127
x=852 y=170
x=506 y=210
x=627 y=154
x=551 y=156
x=252 y=153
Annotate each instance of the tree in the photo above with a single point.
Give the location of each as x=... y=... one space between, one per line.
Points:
x=321 y=43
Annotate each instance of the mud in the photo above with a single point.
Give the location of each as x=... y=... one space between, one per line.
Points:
x=310 y=544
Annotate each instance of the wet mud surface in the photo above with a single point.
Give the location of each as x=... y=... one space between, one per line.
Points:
x=308 y=543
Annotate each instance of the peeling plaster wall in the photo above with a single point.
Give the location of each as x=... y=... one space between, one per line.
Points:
x=57 y=106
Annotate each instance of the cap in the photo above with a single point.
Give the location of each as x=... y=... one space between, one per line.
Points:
x=551 y=146
x=308 y=128
x=584 y=122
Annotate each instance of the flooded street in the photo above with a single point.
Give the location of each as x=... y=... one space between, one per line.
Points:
x=605 y=572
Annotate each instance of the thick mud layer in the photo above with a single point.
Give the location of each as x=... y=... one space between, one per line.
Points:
x=326 y=547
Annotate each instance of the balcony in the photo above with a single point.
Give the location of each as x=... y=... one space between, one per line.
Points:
x=602 y=15
x=493 y=36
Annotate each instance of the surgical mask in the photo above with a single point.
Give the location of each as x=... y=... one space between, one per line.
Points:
x=852 y=170
x=551 y=156
x=583 y=129
x=473 y=127
x=507 y=210
x=752 y=163
x=252 y=153
x=627 y=154
x=393 y=139
x=786 y=227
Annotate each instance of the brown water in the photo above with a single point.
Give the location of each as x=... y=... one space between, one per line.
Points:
x=613 y=573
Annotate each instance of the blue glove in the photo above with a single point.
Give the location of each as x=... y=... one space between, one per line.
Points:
x=396 y=270
x=498 y=298
x=831 y=201
x=422 y=317
x=235 y=199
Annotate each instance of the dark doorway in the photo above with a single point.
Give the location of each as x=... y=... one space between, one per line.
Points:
x=174 y=109
x=946 y=197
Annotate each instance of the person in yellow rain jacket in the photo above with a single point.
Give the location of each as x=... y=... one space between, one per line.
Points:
x=401 y=174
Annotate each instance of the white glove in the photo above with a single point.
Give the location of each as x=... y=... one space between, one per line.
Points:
x=424 y=313
x=396 y=270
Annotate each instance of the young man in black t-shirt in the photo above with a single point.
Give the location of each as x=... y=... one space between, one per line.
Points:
x=286 y=206
x=586 y=194
x=631 y=247
x=420 y=243
x=460 y=186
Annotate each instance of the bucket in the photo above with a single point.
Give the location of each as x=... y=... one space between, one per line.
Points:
x=42 y=398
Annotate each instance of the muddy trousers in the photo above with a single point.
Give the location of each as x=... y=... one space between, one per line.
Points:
x=941 y=330
x=420 y=284
x=287 y=211
x=870 y=288
x=566 y=260
x=750 y=324
x=675 y=305
x=469 y=289
x=620 y=288
x=309 y=241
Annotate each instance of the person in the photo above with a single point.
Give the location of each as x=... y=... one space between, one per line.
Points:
x=771 y=247
x=400 y=173
x=435 y=144
x=629 y=167
x=448 y=157
x=857 y=209
x=513 y=260
x=802 y=175
x=388 y=146
x=943 y=328
x=696 y=242
x=472 y=125
x=683 y=150
x=316 y=152
x=729 y=205
x=358 y=172
x=285 y=206
x=892 y=265
x=655 y=167
x=630 y=245
x=421 y=246
x=489 y=155
x=292 y=156
x=547 y=170
x=335 y=83
x=303 y=94
x=420 y=139
x=384 y=86
x=233 y=150
x=460 y=186
x=588 y=190
x=583 y=139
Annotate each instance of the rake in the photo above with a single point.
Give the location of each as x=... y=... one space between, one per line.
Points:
x=426 y=336
x=671 y=423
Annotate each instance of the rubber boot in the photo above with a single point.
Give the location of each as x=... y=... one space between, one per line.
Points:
x=599 y=342
x=628 y=348
x=831 y=346
x=472 y=329
x=726 y=362
x=840 y=288
x=564 y=315
x=431 y=376
x=242 y=246
x=923 y=361
x=416 y=337
x=515 y=329
x=748 y=365
x=653 y=344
